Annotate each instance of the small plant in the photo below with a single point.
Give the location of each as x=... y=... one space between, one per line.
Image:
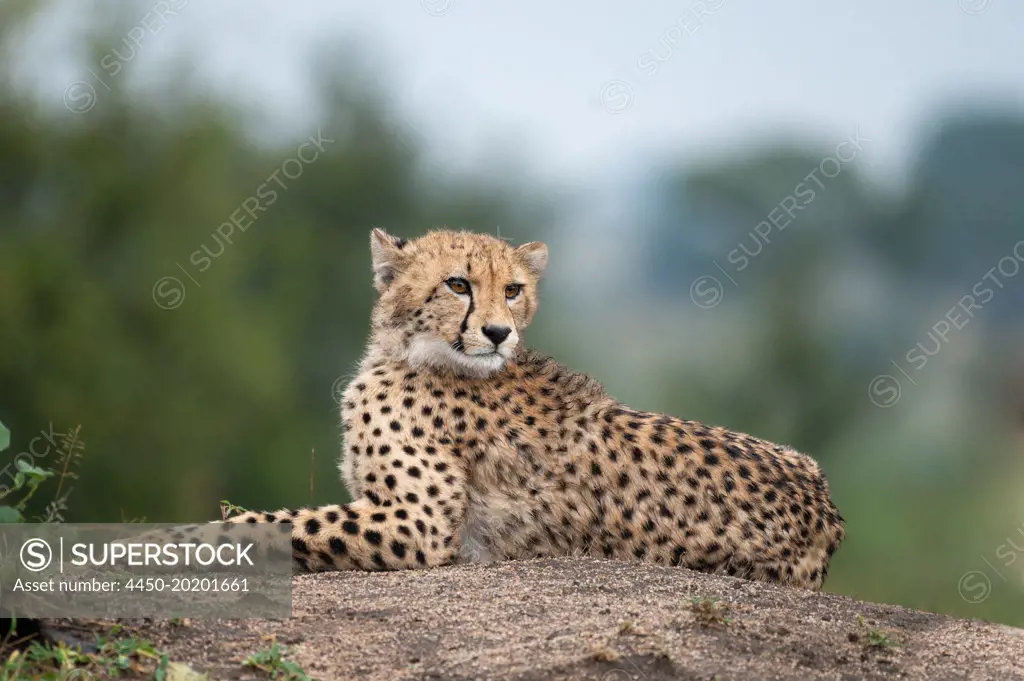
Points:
x=21 y=659
x=114 y=658
x=136 y=520
x=872 y=638
x=710 y=612
x=28 y=478
x=227 y=509
x=272 y=663
x=69 y=454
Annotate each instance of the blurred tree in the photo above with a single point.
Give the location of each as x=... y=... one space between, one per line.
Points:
x=216 y=383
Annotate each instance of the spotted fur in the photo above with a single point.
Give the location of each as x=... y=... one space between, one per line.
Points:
x=460 y=449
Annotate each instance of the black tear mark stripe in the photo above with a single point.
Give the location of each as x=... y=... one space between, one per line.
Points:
x=465 y=320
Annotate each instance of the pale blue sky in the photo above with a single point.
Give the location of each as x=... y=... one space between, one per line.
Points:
x=477 y=76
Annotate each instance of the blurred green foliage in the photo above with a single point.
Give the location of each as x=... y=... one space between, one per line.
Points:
x=228 y=393
x=219 y=383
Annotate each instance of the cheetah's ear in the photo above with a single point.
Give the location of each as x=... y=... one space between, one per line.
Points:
x=386 y=254
x=535 y=256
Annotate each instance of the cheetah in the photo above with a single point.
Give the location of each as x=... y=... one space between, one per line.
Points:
x=461 y=445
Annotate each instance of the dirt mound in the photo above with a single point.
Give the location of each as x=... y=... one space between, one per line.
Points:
x=589 y=619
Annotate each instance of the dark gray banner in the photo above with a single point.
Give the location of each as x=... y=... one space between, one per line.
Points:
x=216 y=570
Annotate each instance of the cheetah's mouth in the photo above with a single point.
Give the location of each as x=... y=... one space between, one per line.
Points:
x=484 y=353
x=454 y=357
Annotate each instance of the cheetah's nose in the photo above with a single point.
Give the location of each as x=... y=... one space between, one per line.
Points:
x=497 y=334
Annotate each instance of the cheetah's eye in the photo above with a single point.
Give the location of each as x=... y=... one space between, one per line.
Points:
x=459 y=286
x=513 y=290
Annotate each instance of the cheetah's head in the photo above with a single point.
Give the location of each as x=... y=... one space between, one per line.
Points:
x=454 y=301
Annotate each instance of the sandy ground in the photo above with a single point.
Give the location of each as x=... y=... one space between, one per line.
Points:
x=589 y=619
